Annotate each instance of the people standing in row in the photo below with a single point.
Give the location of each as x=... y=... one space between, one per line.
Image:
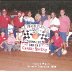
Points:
x=61 y=24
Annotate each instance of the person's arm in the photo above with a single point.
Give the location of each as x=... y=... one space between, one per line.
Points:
x=1 y=44
x=68 y=21
x=9 y=20
x=4 y=41
x=52 y=25
x=57 y=26
x=51 y=41
x=59 y=47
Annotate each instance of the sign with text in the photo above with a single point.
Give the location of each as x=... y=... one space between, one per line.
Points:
x=34 y=47
x=34 y=38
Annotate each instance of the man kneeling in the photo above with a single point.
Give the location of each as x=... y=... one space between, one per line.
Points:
x=56 y=44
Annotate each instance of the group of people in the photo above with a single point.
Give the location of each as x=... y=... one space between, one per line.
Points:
x=11 y=29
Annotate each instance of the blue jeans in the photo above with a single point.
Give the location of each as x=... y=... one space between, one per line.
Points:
x=15 y=31
x=53 y=48
x=4 y=45
x=5 y=30
x=63 y=35
x=8 y=47
x=51 y=33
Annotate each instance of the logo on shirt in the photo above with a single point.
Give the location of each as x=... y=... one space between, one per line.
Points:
x=6 y=18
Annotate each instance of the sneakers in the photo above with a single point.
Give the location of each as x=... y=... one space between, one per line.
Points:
x=2 y=47
x=52 y=54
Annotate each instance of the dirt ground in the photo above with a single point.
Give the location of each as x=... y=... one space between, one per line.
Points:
x=30 y=61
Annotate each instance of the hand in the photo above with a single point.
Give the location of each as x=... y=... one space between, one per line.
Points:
x=52 y=41
x=67 y=33
x=52 y=26
x=2 y=47
x=56 y=50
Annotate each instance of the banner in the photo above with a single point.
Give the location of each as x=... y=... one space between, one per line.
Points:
x=34 y=47
x=34 y=38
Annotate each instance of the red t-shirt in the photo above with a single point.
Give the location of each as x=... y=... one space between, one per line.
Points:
x=2 y=39
x=4 y=21
x=17 y=22
x=57 y=42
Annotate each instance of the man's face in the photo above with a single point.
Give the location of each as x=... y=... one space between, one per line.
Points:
x=43 y=11
x=19 y=14
x=4 y=13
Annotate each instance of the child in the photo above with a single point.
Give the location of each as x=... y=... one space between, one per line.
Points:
x=18 y=39
x=56 y=44
x=3 y=38
x=10 y=42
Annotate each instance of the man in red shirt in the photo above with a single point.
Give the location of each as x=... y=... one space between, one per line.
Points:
x=56 y=44
x=18 y=22
x=4 y=21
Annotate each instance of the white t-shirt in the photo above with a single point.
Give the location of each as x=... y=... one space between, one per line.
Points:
x=21 y=19
x=54 y=21
x=18 y=36
x=10 y=28
x=29 y=19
